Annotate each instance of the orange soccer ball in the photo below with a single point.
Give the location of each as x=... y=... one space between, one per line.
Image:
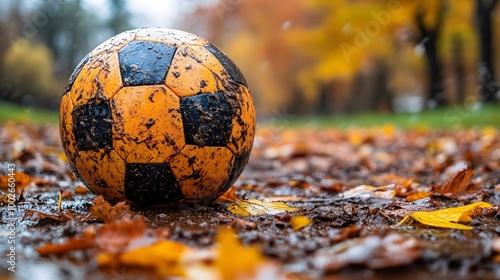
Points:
x=156 y=116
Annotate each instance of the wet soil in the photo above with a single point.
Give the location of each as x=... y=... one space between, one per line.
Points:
x=306 y=169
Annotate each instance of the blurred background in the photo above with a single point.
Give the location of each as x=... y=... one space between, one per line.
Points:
x=300 y=57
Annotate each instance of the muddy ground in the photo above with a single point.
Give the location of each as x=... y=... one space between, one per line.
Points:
x=312 y=170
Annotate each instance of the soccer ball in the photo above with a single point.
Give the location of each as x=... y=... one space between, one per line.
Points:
x=157 y=116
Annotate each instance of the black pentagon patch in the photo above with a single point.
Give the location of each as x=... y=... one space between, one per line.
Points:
x=228 y=64
x=207 y=119
x=145 y=63
x=92 y=126
x=75 y=73
x=151 y=184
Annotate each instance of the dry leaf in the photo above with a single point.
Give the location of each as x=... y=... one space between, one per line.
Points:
x=374 y=252
x=230 y=260
x=21 y=182
x=254 y=207
x=164 y=257
x=234 y=260
x=37 y=215
x=103 y=211
x=300 y=221
x=366 y=191
x=81 y=190
x=116 y=237
x=447 y=218
x=461 y=183
x=418 y=195
x=73 y=244
x=229 y=195
x=345 y=233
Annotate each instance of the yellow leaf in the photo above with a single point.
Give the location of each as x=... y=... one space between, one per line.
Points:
x=164 y=257
x=298 y=222
x=449 y=217
x=234 y=260
x=254 y=207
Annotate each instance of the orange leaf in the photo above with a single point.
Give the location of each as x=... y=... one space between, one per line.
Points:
x=21 y=181
x=164 y=257
x=103 y=211
x=81 y=190
x=73 y=244
x=418 y=195
x=229 y=195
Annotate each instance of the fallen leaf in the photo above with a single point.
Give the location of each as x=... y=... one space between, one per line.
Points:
x=164 y=257
x=229 y=195
x=116 y=237
x=73 y=244
x=40 y=216
x=418 y=195
x=81 y=190
x=366 y=191
x=234 y=260
x=299 y=222
x=104 y=212
x=374 y=252
x=110 y=239
x=228 y=260
x=460 y=183
x=495 y=247
x=254 y=207
x=447 y=218
x=349 y=232
x=21 y=181
x=237 y=222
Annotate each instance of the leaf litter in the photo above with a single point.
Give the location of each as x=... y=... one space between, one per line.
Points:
x=310 y=203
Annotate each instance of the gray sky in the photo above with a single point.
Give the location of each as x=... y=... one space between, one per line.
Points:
x=152 y=13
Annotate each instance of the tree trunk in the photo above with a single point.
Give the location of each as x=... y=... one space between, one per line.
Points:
x=458 y=65
x=322 y=105
x=428 y=37
x=381 y=95
x=485 y=72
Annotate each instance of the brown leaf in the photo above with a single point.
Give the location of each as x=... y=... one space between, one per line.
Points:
x=73 y=244
x=115 y=237
x=111 y=238
x=349 y=232
x=461 y=183
x=104 y=212
x=21 y=181
x=374 y=252
x=37 y=215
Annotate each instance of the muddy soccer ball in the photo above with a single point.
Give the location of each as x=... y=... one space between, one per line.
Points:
x=156 y=116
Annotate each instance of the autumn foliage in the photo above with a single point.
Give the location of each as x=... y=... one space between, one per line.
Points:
x=338 y=56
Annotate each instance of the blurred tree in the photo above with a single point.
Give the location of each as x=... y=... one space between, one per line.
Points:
x=350 y=39
x=256 y=34
x=458 y=47
x=429 y=18
x=28 y=67
x=486 y=74
x=119 y=18
x=67 y=32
